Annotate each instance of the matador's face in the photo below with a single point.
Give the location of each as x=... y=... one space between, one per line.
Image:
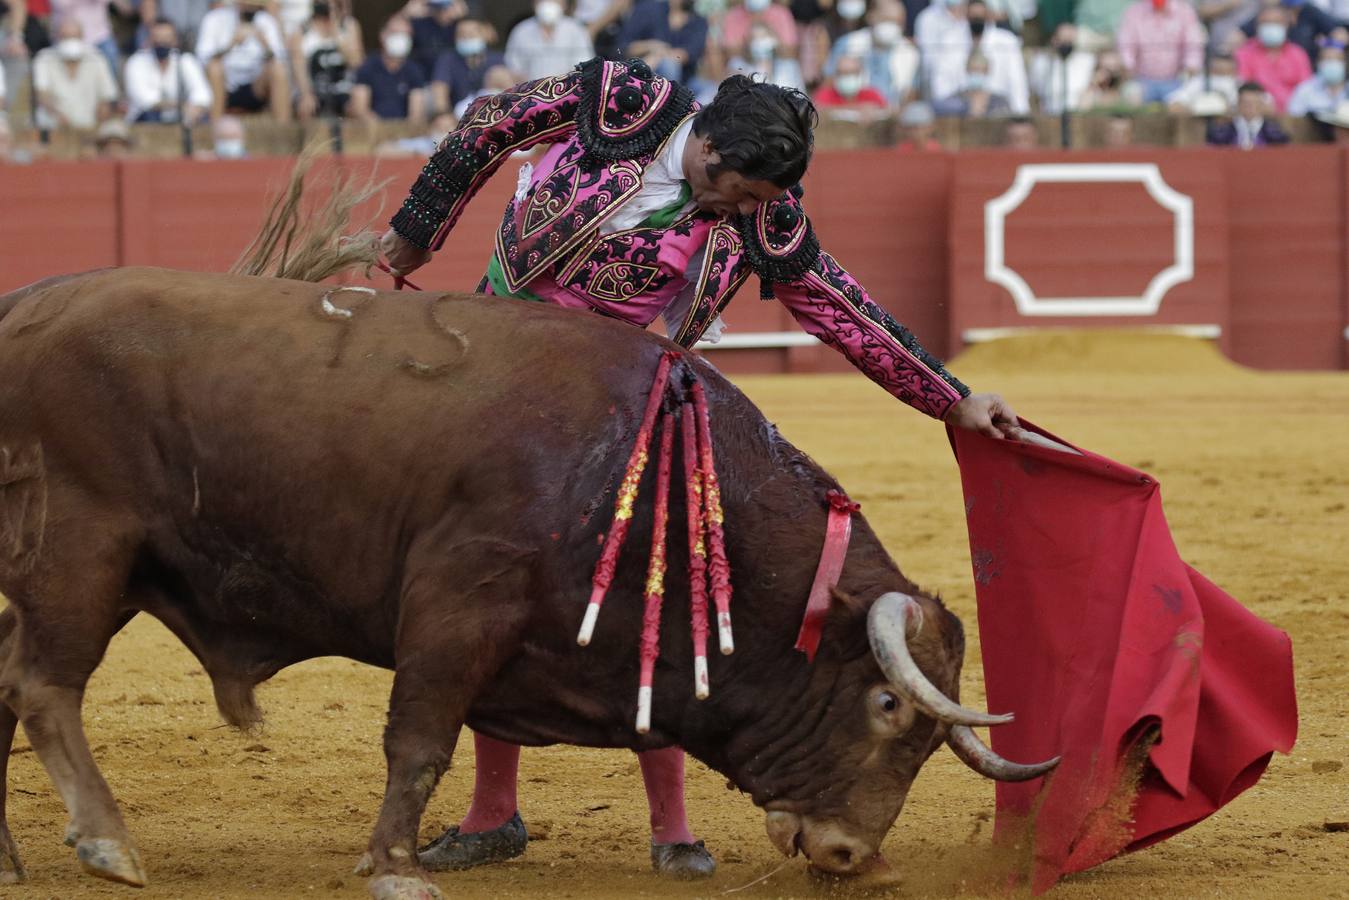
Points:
x=726 y=193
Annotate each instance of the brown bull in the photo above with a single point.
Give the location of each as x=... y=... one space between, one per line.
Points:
x=279 y=471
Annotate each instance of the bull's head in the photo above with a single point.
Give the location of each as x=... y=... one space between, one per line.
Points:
x=875 y=717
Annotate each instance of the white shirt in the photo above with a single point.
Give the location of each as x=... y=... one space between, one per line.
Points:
x=77 y=96
x=533 y=53
x=148 y=85
x=1046 y=78
x=243 y=64
x=661 y=184
x=945 y=43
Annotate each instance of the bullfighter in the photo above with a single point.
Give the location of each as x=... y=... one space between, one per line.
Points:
x=645 y=204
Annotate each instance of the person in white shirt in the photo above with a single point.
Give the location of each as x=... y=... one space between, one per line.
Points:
x=548 y=43
x=163 y=84
x=949 y=31
x=244 y=54
x=1222 y=81
x=891 y=59
x=75 y=87
x=1050 y=65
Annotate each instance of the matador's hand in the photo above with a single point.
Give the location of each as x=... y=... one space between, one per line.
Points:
x=987 y=414
x=403 y=256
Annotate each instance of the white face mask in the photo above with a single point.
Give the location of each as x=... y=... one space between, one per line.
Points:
x=230 y=148
x=887 y=34
x=852 y=9
x=398 y=45
x=756 y=6
x=848 y=85
x=762 y=47
x=70 y=49
x=548 y=12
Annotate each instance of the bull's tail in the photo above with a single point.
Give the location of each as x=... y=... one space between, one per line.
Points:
x=309 y=242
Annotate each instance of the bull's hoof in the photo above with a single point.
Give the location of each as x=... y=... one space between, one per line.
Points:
x=111 y=859
x=11 y=868
x=454 y=850
x=683 y=861
x=403 y=887
x=365 y=866
x=72 y=835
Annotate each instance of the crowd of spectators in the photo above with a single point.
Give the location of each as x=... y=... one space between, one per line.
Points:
x=100 y=64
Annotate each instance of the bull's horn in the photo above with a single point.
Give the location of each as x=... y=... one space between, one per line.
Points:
x=981 y=758
x=887 y=627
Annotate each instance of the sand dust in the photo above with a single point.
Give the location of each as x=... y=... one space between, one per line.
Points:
x=1255 y=476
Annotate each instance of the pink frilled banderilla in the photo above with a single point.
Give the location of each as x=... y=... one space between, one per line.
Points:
x=707 y=544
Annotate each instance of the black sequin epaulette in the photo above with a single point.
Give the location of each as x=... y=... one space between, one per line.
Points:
x=779 y=242
x=626 y=111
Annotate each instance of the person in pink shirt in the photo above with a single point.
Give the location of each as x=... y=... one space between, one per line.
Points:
x=1271 y=60
x=737 y=23
x=1162 y=44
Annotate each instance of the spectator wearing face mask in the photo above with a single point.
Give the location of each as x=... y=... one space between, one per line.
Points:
x=846 y=95
x=948 y=35
x=1249 y=128
x=1061 y=73
x=227 y=138
x=548 y=43
x=1109 y=87
x=163 y=84
x=819 y=38
x=1325 y=90
x=669 y=35
x=460 y=71
x=891 y=60
x=389 y=85
x=95 y=24
x=1270 y=60
x=977 y=97
x=1162 y=44
x=764 y=57
x=324 y=58
x=740 y=21
x=245 y=57
x=434 y=34
x=75 y=87
x=1307 y=23
x=1221 y=82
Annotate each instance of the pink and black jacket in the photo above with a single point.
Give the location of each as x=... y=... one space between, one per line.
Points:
x=606 y=122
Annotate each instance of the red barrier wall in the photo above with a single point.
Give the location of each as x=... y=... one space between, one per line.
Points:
x=1270 y=239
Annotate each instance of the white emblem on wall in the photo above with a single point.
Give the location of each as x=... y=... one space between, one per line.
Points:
x=1147 y=174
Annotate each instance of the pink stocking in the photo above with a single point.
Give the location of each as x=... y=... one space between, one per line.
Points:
x=494 y=800
x=663 y=775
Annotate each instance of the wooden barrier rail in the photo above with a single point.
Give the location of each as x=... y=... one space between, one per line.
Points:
x=1269 y=267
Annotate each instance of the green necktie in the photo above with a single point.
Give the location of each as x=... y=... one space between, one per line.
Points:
x=666 y=215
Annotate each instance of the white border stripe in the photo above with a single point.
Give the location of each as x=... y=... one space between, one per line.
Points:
x=1147 y=174
x=981 y=335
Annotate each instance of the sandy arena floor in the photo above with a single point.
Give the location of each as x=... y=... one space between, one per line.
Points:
x=1255 y=472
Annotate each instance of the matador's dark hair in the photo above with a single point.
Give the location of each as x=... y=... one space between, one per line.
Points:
x=762 y=131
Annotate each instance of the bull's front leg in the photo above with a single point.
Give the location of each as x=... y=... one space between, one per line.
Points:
x=449 y=645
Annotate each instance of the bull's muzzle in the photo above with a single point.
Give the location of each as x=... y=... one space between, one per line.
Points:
x=828 y=845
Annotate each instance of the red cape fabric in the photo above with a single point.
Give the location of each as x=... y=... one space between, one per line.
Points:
x=1103 y=641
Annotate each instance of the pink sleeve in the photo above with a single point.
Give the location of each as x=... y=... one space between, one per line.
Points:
x=784 y=25
x=1194 y=41
x=492 y=129
x=831 y=305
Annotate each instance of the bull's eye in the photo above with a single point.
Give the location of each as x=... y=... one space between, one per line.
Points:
x=888 y=702
x=890 y=715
